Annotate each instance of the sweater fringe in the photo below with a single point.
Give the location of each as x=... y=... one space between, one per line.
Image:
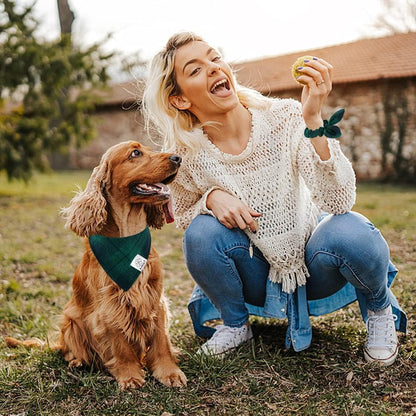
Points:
x=289 y=279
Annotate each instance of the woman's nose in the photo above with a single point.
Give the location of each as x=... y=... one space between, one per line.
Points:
x=215 y=68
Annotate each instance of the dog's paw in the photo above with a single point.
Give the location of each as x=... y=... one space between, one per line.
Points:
x=131 y=383
x=75 y=363
x=173 y=378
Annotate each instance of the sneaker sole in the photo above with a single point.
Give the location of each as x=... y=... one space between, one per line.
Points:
x=382 y=361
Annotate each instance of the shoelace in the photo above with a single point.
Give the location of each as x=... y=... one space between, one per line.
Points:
x=380 y=330
x=222 y=333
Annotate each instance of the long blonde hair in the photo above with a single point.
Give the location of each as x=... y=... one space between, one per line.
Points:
x=180 y=127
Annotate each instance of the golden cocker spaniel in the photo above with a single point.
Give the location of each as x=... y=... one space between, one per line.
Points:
x=115 y=318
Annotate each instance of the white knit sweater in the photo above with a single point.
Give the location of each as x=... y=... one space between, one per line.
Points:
x=278 y=174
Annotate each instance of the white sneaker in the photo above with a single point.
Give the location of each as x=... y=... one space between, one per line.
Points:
x=382 y=345
x=226 y=338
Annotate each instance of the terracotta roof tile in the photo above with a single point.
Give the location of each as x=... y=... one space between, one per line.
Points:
x=367 y=59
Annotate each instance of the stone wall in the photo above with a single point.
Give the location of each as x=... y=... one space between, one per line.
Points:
x=365 y=121
x=113 y=125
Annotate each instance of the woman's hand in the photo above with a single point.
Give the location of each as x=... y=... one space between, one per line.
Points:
x=231 y=211
x=317 y=80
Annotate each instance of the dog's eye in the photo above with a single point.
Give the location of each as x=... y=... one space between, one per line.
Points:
x=135 y=153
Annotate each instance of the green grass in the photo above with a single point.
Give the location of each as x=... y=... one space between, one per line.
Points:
x=37 y=260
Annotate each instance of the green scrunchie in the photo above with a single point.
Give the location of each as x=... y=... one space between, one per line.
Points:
x=329 y=129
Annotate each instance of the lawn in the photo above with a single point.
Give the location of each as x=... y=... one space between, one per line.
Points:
x=37 y=260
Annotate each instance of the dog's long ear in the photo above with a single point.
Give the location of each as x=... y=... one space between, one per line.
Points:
x=154 y=216
x=87 y=211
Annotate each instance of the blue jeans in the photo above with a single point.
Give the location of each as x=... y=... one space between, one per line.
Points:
x=342 y=248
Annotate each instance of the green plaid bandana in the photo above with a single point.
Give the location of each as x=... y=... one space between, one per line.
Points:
x=123 y=258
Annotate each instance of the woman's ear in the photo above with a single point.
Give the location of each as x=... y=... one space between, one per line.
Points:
x=180 y=102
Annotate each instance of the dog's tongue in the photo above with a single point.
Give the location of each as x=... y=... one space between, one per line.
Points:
x=168 y=211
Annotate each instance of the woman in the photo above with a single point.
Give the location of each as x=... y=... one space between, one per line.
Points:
x=266 y=210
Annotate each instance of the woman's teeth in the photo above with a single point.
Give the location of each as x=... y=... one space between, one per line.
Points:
x=220 y=84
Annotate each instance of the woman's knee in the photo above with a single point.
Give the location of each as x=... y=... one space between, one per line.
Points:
x=205 y=239
x=202 y=231
x=350 y=229
x=352 y=235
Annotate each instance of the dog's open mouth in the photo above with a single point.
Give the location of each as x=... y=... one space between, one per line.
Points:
x=144 y=189
x=156 y=189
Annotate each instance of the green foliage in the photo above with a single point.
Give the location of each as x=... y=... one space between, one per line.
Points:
x=52 y=82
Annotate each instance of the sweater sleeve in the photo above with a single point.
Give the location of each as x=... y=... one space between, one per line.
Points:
x=188 y=200
x=331 y=182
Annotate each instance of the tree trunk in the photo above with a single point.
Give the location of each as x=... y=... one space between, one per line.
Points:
x=66 y=17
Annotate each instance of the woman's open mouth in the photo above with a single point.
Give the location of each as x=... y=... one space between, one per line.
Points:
x=221 y=88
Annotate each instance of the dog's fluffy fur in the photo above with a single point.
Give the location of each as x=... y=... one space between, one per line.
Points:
x=122 y=331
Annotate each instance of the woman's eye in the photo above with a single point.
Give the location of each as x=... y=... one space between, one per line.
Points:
x=217 y=58
x=193 y=72
x=135 y=153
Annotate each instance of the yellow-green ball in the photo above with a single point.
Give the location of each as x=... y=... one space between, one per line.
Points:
x=299 y=62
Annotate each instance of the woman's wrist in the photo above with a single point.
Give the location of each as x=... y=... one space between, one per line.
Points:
x=314 y=123
x=328 y=129
x=321 y=147
x=209 y=198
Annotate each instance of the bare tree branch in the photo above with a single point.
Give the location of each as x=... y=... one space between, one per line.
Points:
x=398 y=16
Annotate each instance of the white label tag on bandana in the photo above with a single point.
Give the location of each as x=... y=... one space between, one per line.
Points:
x=138 y=262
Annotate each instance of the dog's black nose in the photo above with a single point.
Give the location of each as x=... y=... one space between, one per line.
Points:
x=176 y=159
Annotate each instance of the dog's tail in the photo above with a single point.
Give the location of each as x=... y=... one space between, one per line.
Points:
x=32 y=343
